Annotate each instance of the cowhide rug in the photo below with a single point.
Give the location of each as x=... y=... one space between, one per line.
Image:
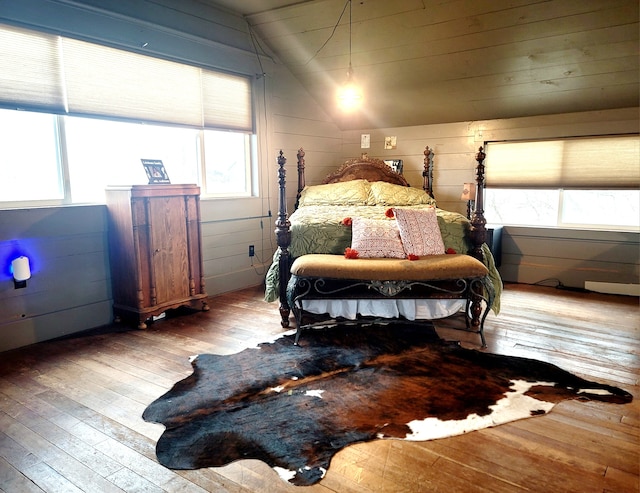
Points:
x=294 y=407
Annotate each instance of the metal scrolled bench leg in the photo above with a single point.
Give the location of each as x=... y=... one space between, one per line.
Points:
x=478 y=292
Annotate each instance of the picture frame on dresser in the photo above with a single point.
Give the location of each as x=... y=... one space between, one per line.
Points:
x=156 y=173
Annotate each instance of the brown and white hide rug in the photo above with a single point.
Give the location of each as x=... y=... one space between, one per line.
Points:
x=294 y=407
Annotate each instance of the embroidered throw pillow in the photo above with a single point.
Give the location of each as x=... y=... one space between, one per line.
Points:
x=419 y=231
x=376 y=238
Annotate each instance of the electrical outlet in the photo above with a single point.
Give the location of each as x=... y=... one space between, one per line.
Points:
x=252 y=251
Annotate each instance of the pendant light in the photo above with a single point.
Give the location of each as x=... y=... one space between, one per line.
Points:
x=349 y=94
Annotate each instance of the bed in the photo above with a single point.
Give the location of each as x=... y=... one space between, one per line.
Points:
x=368 y=191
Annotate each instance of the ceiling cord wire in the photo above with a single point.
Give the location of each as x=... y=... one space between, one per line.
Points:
x=334 y=31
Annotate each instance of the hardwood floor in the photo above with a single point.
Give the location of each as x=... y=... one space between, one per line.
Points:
x=70 y=410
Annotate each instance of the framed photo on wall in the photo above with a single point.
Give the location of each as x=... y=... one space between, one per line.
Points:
x=395 y=165
x=155 y=171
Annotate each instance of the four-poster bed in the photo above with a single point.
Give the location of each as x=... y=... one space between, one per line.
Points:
x=315 y=269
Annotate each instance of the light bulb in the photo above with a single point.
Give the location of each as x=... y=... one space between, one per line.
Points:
x=349 y=96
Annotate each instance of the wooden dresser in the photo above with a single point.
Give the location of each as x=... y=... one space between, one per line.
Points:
x=155 y=250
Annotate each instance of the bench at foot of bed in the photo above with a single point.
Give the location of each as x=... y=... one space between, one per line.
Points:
x=333 y=277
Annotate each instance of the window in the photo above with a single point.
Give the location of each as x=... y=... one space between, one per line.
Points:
x=102 y=153
x=612 y=209
x=521 y=206
x=83 y=126
x=617 y=208
x=590 y=182
x=30 y=172
x=227 y=164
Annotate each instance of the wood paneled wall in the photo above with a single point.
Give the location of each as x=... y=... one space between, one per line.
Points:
x=529 y=255
x=299 y=122
x=70 y=285
x=571 y=257
x=287 y=120
x=454 y=162
x=70 y=289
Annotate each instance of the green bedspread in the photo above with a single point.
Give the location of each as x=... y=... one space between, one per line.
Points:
x=319 y=229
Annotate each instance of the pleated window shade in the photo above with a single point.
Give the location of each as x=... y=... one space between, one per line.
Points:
x=610 y=162
x=30 y=71
x=60 y=74
x=226 y=101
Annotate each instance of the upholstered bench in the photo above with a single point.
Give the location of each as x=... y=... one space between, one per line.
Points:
x=449 y=276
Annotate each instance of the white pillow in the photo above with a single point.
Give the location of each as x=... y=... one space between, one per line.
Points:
x=376 y=238
x=419 y=231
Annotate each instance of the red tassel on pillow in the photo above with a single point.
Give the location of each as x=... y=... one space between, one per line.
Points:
x=411 y=256
x=451 y=251
x=389 y=213
x=346 y=221
x=350 y=253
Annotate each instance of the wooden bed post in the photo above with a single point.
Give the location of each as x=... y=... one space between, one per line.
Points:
x=301 y=183
x=427 y=173
x=283 y=239
x=478 y=222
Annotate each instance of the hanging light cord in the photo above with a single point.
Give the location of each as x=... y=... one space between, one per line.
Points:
x=349 y=38
x=334 y=31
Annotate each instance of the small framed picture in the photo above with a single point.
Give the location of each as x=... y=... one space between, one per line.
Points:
x=395 y=165
x=155 y=171
x=390 y=142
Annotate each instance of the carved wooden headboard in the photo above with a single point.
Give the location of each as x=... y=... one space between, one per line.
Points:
x=365 y=168
x=370 y=169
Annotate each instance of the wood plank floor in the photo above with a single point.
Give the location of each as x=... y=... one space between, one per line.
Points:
x=70 y=410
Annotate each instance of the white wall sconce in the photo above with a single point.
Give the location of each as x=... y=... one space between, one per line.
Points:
x=21 y=271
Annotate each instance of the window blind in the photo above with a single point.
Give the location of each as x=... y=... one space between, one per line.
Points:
x=64 y=75
x=226 y=100
x=607 y=162
x=30 y=71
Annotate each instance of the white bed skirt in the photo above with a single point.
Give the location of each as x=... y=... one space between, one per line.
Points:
x=409 y=309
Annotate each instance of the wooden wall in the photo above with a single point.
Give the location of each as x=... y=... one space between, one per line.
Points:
x=453 y=145
x=569 y=256
x=287 y=120
x=529 y=255
x=532 y=255
x=70 y=288
x=299 y=123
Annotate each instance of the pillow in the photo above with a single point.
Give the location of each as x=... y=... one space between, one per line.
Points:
x=419 y=231
x=376 y=238
x=354 y=192
x=383 y=193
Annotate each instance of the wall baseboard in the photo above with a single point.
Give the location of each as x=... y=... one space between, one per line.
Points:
x=613 y=288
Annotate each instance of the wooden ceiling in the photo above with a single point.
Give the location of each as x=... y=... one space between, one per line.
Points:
x=425 y=61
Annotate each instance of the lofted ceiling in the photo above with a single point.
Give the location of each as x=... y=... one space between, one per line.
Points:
x=426 y=61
